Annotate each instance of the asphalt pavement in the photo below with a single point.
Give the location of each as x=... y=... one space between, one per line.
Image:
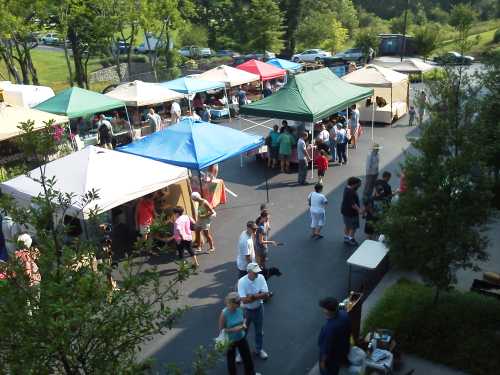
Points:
x=312 y=269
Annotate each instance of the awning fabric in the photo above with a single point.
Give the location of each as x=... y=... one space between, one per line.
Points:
x=263 y=70
x=117 y=177
x=139 y=93
x=188 y=85
x=285 y=64
x=11 y=117
x=375 y=76
x=193 y=144
x=310 y=97
x=229 y=75
x=412 y=66
x=77 y=102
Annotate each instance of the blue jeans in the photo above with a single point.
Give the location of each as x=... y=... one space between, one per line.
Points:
x=256 y=317
x=302 y=175
x=333 y=150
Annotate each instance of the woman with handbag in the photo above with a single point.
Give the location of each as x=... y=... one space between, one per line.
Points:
x=205 y=215
x=232 y=321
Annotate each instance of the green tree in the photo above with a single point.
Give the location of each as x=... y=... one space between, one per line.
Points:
x=265 y=25
x=366 y=39
x=336 y=37
x=426 y=38
x=194 y=35
x=462 y=18
x=74 y=321
x=398 y=23
x=437 y=226
x=292 y=10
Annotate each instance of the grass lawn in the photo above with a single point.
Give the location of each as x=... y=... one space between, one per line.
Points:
x=52 y=69
x=461 y=331
x=481 y=39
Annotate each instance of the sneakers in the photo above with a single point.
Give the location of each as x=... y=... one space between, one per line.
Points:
x=262 y=354
x=238 y=358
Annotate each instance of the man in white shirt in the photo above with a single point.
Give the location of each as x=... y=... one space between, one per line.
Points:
x=317 y=204
x=354 y=123
x=246 y=251
x=252 y=289
x=175 y=112
x=302 y=157
x=324 y=135
x=372 y=162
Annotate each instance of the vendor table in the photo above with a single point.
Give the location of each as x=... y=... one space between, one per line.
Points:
x=214 y=191
x=368 y=256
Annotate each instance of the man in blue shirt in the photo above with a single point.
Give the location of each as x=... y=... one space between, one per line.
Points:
x=334 y=337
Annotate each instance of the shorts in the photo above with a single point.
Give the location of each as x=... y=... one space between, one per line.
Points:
x=261 y=252
x=144 y=229
x=185 y=245
x=317 y=219
x=203 y=223
x=284 y=156
x=273 y=152
x=321 y=173
x=351 y=222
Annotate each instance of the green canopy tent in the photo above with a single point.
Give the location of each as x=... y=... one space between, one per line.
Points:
x=309 y=97
x=77 y=102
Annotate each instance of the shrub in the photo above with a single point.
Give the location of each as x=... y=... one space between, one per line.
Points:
x=461 y=331
x=496 y=36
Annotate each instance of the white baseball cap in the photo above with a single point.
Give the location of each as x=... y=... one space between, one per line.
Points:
x=253 y=267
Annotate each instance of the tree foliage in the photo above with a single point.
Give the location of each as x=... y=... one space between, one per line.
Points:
x=366 y=39
x=264 y=24
x=336 y=37
x=426 y=38
x=74 y=321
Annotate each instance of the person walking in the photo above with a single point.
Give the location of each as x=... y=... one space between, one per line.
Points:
x=322 y=165
x=285 y=142
x=333 y=139
x=351 y=209
x=154 y=120
x=232 y=321
x=422 y=103
x=341 y=137
x=333 y=340
x=262 y=239
x=183 y=235
x=303 y=158
x=246 y=251
x=372 y=162
x=374 y=208
x=317 y=205
x=252 y=289
x=205 y=213
x=412 y=114
x=387 y=189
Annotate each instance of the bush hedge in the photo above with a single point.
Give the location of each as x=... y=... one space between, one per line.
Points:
x=462 y=330
x=496 y=36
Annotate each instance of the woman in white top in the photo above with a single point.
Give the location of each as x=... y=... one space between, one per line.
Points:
x=317 y=204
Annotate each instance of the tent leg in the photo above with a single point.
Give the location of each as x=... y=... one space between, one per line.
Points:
x=201 y=183
x=241 y=161
x=227 y=103
x=129 y=123
x=267 y=185
x=189 y=106
x=312 y=152
x=391 y=107
x=373 y=117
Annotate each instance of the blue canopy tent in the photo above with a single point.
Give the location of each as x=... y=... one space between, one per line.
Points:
x=285 y=64
x=194 y=144
x=189 y=86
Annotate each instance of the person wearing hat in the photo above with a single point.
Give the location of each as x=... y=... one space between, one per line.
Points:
x=246 y=249
x=204 y=219
x=232 y=321
x=252 y=289
x=333 y=340
x=372 y=162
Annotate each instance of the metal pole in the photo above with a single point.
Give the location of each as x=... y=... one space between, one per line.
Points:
x=201 y=184
x=391 y=107
x=312 y=152
x=267 y=185
x=129 y=123
x=403 y=44
x=373 y=116
x=227 y=103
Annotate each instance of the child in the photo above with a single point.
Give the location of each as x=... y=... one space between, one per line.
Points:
x=322 y=165
x=412 y=114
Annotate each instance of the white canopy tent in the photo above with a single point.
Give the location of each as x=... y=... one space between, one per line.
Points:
x=118 y=178
x=27 y=96
x=11 y=116
x=411 y=66
x=139 y=93
x=388 y=84
x=229 y=75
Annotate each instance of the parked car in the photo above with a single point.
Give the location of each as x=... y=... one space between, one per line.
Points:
x=121 y=47
x=196 y=52
x=310 y=55
x=454 y=58
x=205 y=52
x=50 y=39
x=352 y=54
x=148 y=45
x=227 y=52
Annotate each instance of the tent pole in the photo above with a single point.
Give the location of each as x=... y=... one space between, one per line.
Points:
x=312 y=152
x=200 y=182
x=189 y=104
x=348 y=126
x=267 y=184
x=373 y=116
x=129 y=123
x=391 y=107
x=227 y=103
